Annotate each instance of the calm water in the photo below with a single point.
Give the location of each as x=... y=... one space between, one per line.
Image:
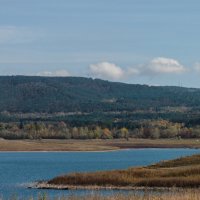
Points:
x=19 y=169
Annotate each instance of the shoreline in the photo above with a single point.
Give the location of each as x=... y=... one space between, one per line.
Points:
x=92 y=151
x=72 y=151
x=54 y=145
x=47 y=186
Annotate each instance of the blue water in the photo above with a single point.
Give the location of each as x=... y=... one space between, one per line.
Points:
x=19 y=169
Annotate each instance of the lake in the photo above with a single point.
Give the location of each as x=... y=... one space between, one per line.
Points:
x=18 y=169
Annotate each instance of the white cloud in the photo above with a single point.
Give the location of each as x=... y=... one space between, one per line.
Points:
x=106 y=70
x=156 y=66
x=165 y=65
x=59 y=73
x=159 y=65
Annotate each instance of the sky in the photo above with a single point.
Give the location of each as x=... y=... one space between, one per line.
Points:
x=154 y=42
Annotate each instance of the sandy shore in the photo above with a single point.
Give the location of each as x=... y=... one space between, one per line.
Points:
x=92 y=145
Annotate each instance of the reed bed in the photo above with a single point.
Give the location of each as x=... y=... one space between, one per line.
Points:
x=174 y=195
x=183 y=172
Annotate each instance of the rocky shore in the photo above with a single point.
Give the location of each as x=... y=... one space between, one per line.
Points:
x=46 y=185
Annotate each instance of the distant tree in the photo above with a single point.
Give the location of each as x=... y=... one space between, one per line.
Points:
x=98 y=132
x=75 y=133
x=106 y=134
x=21 y=125
x=124 y=133
x=155 y=133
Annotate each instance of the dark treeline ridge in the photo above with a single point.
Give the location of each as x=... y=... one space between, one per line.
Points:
x=27 y=94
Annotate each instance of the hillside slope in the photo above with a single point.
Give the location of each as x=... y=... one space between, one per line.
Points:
x=72 y=94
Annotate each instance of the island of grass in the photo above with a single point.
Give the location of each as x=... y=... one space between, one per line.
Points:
x=181 y=173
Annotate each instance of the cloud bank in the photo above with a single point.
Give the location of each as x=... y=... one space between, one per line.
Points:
x=156 y=66
x=110 y=71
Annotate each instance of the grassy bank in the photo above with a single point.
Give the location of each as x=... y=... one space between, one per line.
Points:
x=94 y=145
x=182 y=172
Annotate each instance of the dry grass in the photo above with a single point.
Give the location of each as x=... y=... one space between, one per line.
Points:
x=176 y=195
x=184 y=173
x=188 y=195
x=179 y=162
x=94 y=145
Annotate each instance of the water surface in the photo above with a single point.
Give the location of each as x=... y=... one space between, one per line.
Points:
x=17 y=169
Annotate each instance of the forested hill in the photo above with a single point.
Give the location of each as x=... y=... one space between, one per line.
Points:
x=71 y=94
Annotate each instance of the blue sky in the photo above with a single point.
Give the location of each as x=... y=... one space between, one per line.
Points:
x=152 y=42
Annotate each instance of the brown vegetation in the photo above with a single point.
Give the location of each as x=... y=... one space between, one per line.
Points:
x=183 y=195
x=171 y=195
x=183 y=172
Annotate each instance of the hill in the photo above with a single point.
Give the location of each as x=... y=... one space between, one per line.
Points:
x=75 y=94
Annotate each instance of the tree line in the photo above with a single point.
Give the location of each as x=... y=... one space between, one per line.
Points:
x=152 y=129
